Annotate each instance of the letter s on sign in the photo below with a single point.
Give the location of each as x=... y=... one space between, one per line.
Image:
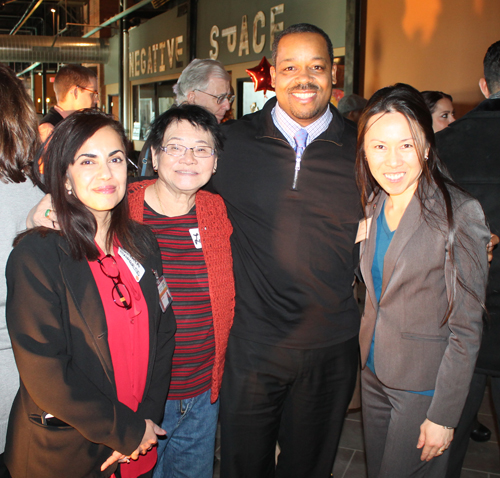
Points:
x=214 y=43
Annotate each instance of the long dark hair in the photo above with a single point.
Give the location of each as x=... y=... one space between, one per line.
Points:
x=406 y=100
x=77 y=223
x=19 y=138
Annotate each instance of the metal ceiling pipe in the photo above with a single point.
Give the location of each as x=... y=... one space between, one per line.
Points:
x=121 y=15
x=28 y=48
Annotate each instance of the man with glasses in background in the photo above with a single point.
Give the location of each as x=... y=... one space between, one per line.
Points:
x=204 y=83
x=75 y=87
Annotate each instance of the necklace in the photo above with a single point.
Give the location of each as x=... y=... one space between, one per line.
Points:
x=158 y=197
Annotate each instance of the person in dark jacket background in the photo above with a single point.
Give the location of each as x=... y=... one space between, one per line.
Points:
x=470 y=147
x=75 y=87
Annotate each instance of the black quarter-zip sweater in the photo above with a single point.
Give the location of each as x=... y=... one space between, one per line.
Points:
x=293 y=251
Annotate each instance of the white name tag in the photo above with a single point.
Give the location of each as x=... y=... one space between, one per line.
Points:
x=195 y=235
x=363 y=230
x=134 y=266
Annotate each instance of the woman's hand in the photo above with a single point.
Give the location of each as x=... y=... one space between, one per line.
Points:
x=116 y=456
x=491 y=245
x=434 y=439
x=148 y=441
x=42 y=214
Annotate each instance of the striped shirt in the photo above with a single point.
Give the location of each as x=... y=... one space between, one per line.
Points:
x=185 y=271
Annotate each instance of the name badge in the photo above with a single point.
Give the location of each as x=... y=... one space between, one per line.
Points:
x=134 y=266
x=363 y=230
x=164 y=293
x=195 y=235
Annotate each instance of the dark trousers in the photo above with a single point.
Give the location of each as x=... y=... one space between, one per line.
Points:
x=460 y=442
x=4 y=473
x=391 y=426
x=295 y=397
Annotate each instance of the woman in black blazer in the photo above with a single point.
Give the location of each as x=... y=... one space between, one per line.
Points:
x=423 y=259
x=92 y=339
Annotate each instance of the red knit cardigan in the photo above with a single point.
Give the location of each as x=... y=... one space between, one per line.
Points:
x=215 y=230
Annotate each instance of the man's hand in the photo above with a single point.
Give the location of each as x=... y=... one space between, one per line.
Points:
x=43 y=214
x=434 y=439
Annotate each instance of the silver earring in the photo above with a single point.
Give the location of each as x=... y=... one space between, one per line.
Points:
x=69 y=192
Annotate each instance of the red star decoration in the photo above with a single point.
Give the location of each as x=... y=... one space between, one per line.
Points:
x=261 y=76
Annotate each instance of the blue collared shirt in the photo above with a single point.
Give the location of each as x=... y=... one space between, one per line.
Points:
x=289 y=127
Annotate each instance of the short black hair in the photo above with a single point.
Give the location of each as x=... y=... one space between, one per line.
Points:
x=194 y=114
x=432 y=97
x=302 y=28
x=491 y=64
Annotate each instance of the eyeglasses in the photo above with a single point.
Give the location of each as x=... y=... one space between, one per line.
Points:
x=121 y=295
x=94 y=92
x=220 y=99
x=178 y=150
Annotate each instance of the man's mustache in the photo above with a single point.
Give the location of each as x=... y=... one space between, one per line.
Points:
x=303 y=87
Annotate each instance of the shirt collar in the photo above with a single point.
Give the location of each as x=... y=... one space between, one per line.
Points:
x=63 y=113
x=289 y=127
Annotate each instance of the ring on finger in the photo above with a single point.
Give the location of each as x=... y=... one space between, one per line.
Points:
x=47 y=212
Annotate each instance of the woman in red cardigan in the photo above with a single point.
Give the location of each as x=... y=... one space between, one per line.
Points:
x=193 y=232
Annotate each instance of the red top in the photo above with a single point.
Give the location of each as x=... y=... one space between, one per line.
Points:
x=128 y=339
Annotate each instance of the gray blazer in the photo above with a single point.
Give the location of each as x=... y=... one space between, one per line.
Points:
x=414 y=350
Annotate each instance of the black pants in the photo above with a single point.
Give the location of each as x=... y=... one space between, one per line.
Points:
x=4 y=473
x=460 y=442
x=295 y=397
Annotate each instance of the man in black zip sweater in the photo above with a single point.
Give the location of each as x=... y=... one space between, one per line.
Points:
x=287 y=176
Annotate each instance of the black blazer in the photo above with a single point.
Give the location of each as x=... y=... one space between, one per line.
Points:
x=470 y=147
x=59 y=335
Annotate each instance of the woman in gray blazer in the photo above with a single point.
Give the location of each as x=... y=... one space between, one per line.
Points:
x=423 y=259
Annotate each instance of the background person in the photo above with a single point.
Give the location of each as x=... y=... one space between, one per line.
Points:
x=92 y=327
x=75 y=87
x=193 y=232
x=441 y=107
x=351 y=106
x=470 y=147
x=205 y=83
x=20 y=141
x=424 y=264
